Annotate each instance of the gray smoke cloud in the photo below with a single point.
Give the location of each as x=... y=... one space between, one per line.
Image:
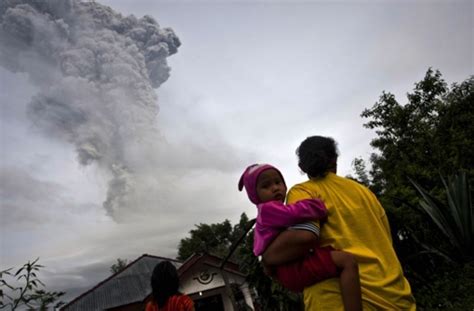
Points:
x=96 y=71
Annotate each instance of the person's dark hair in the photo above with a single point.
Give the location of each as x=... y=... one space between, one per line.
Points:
x=164 y=282
x=317 y=155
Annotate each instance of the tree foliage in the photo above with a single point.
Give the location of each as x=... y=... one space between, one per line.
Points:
x=119 y=265
x=25 y=289
x=212 y=239
x=429 y=136
x=360 y=170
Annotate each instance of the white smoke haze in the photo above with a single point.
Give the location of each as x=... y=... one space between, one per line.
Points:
x=92 y=77
x=96 y=72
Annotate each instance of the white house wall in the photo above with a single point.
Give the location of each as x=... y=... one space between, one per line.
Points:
x=202 y=281
x=192 y=281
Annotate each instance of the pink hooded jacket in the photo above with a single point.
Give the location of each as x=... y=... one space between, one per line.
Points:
x=274 y=217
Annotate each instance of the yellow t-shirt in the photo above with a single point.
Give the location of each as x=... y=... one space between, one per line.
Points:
x=356 y=223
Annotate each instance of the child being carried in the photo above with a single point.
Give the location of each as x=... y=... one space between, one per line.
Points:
x=266 y=188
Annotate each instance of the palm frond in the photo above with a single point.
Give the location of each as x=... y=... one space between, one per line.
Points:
x=454 y=218
x=432 y=207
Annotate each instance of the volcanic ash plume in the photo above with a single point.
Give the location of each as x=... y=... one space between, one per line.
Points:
x=95 y=71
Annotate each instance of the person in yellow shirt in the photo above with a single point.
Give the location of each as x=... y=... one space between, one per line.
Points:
x=356 y=223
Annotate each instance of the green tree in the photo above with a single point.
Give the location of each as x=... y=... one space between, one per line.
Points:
x=427 y=137
x=119 y=265
x=28 y=294
x=360 y=170
x=212 y=239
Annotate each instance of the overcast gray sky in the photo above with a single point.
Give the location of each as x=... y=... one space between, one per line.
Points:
x=250 y=81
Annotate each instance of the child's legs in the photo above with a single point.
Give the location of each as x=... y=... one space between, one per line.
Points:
x=313 y=268
x=349 y=278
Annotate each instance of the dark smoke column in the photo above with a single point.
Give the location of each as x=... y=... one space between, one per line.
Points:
x=96 y=72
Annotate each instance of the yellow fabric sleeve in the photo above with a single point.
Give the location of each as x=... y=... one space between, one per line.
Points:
x=299 y=193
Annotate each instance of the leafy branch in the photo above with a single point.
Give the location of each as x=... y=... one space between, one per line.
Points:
x=28 y=293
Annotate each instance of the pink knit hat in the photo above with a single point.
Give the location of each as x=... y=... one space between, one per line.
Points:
x=249 y=180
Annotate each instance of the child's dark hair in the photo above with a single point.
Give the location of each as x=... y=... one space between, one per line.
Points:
x=164 y=282
x=317 y=155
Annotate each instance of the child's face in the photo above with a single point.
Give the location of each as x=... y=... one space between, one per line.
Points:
x=270 y=186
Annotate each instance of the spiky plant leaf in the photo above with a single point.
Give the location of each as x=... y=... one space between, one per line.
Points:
x=454 y=218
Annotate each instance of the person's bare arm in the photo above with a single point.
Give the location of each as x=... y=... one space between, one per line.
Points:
x=288 y=246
